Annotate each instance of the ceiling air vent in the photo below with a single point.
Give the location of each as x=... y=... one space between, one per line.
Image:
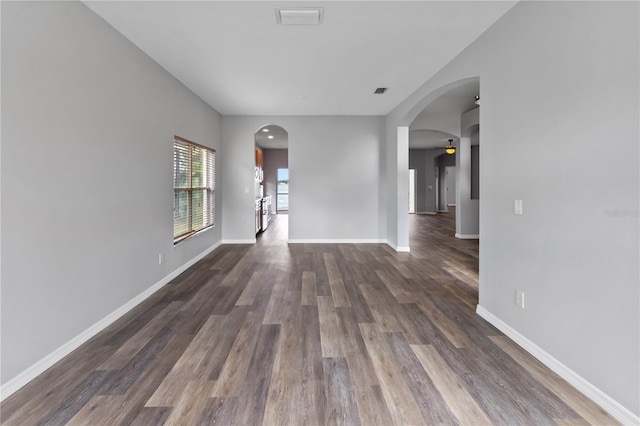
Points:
x=380 y=90
x=300 y=16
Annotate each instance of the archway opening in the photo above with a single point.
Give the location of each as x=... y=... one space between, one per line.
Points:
x=445 y=116
x=271 y=187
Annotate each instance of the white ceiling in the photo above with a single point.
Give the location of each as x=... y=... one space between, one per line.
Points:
x=235 y=56
x=427 y=139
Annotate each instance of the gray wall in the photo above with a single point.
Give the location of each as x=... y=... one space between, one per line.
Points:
x=443 y=161
x=557 y=79
x=450 y=186
x=475 y=172
x=467 y=210
x=424 y=163
x=274 y=159
x=87 y=168
x=334 y=166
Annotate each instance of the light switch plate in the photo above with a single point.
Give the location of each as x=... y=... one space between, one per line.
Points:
x=518 y=207
x=520 y=298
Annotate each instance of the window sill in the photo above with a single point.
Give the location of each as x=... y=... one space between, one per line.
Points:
x=185 y=237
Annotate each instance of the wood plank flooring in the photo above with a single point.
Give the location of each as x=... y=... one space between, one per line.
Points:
x=304 y=334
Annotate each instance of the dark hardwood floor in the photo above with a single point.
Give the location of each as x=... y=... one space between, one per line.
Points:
x=308 y=334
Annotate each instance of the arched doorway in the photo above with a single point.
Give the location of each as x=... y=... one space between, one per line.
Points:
x=450 y=118
x=442 y=110
x=272 y=175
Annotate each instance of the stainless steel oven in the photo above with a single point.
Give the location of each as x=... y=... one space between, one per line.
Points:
x=266 y=212
x=258 y=215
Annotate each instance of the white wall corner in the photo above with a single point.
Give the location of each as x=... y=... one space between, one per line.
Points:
x=39 y=367
x=399 y=249
x=607 y=403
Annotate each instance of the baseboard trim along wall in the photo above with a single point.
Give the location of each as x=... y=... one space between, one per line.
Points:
x=433 y=213
x=468 y=236
x=400 y=249
x=336 y=241
x=39 y=367
x=607 y=403
x=249 y=241
x=347 y=241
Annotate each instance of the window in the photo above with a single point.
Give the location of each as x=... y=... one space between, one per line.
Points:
x=193 y=188
x=282 y=191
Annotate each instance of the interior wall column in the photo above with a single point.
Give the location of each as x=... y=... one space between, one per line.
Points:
x=463 y=185
x=403 y=189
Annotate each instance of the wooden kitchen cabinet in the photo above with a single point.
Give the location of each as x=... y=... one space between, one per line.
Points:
x=259 y=163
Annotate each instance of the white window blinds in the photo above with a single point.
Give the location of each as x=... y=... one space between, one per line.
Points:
x=193 y=188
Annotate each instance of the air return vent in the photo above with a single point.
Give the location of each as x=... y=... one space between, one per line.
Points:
x=300 y=16
x=380 y=90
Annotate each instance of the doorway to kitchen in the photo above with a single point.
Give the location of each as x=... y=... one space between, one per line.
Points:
x=272 y=176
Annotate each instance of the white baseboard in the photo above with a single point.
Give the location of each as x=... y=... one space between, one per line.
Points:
x=39 y=367
x=607 y=403
x=426 y=213
x=468 y=236
x=451 y=205
x=248 y=241
x=336 y=241
x=400 y=249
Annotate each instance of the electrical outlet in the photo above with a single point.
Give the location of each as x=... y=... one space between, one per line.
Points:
x=520 y=298
x=160 y=258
